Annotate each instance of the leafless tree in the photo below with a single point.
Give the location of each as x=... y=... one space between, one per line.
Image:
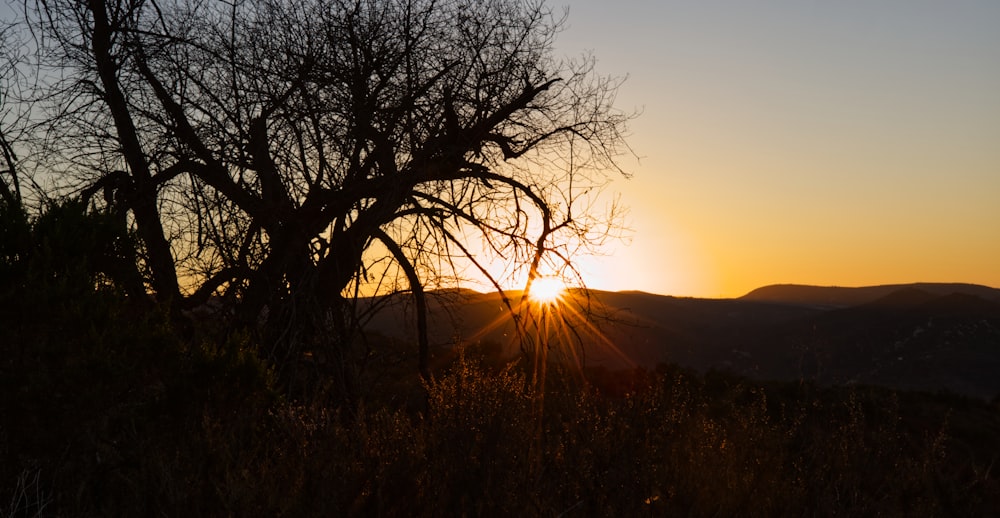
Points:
x=12 y=112
x=292 y=154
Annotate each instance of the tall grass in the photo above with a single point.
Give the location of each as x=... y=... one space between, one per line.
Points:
x=673 y=443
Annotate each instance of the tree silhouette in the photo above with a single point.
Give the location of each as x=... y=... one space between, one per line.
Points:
x=11 y=115
x=291 y=155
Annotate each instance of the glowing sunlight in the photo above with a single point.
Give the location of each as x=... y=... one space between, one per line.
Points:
x=547 y=290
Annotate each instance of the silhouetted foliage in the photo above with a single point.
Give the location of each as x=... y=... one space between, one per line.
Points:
x=14 y=242
x=198 y=431
x=91 y=382
x=289 y=155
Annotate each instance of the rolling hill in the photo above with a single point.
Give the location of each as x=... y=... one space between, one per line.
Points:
x=836 y=296
x=924 y=336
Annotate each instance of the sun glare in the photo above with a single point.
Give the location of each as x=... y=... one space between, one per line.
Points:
x=547 y=290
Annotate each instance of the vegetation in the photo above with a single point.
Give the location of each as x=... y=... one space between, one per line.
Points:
x=110 y=409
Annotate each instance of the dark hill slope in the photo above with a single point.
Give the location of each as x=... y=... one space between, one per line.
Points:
x=921 y=336
x=836 y=296
x=904 y=340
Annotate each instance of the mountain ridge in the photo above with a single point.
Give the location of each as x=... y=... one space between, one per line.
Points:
x=842 y=296
x=919 y=336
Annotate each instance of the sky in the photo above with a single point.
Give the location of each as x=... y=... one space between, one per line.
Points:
x=842 y=143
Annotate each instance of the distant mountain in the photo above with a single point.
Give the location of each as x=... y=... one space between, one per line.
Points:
x=836 y=296
x=906 y=339
x=916 y=336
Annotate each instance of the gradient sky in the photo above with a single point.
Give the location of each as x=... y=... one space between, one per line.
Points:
x=835 y=143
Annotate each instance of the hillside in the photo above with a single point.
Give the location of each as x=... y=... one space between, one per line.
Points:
x=836 y=296
x=927 y=337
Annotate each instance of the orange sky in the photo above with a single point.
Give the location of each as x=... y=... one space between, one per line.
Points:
x=834 y=143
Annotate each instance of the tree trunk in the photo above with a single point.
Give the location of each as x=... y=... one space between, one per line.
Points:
x=143 y=195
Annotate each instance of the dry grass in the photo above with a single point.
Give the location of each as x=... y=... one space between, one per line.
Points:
x=110 y=414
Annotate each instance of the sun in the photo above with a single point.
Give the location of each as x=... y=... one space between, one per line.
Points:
x=547 y=290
